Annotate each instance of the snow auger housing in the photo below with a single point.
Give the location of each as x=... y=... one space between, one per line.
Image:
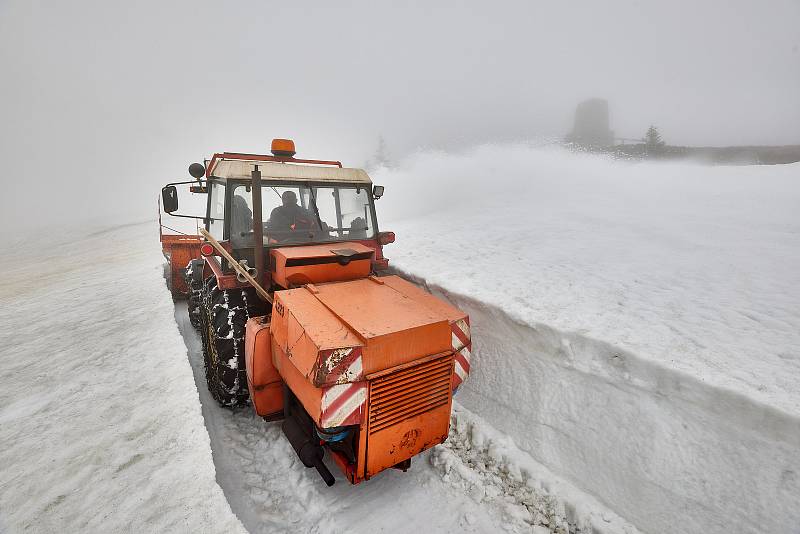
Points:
x=293 y=316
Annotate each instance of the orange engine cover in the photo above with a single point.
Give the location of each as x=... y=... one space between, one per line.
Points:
x=313 y=264
x=377 y=355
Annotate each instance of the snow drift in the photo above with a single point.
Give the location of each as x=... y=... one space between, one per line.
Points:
x=636 y=325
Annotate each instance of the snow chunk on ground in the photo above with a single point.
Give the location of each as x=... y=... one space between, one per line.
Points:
x=486 y=465
x=99 y=416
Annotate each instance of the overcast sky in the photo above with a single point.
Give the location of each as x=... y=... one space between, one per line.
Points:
x=101 y=102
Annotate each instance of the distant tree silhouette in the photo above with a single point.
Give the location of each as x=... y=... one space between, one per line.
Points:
x=652 y=139
x=381 y=156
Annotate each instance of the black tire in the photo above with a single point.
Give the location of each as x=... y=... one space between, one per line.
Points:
x=168 y=277
x=223 y=314
x=194 y=282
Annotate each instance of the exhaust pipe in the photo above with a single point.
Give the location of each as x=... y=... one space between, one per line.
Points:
x=308 y=450
x=302 y=436
x=249 y=270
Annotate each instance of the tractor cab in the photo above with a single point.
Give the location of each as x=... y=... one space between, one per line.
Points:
x=259 y=205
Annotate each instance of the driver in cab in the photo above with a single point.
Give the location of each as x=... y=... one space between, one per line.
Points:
x=290 y=217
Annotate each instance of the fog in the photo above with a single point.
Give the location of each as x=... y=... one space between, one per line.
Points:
x=103 y=102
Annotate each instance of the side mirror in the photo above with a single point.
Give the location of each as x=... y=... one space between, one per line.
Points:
x=169 y=198
x=377 y=191
x=197 y=170
x=384 y=238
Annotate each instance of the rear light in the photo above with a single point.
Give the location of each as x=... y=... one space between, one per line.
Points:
x=384 y=238
x=206 y=249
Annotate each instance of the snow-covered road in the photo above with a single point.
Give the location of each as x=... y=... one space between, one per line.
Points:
x=476 y=482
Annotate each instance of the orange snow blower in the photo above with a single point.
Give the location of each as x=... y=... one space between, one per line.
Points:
x=295 y=319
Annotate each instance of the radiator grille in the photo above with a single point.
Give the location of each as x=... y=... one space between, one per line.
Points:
x=409 y=392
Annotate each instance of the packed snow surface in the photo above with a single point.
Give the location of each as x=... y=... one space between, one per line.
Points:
x=636 y=325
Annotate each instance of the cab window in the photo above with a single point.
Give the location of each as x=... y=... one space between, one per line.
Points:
x=216 y=210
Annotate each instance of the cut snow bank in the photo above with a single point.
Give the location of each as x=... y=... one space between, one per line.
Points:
x=100 y=423
x=636 y=326
x=662 y=449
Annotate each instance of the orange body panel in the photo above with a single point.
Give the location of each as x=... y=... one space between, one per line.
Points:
x=459 y=325
x=263 y=380
x=389 y=327
x=408 y=411
x=394 y=326
x=375 y=354
x=180 y=250
x=308 y=395
x=451 y=313
x=295 y=266
x=404 y=411
x=304 y=329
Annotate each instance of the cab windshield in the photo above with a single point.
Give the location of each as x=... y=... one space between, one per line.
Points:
x=302 y=214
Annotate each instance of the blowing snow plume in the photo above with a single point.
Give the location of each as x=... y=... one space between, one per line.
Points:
x=637 y=323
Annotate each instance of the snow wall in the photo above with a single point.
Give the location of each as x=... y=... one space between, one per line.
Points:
x=100 y=422
x=659 y=428
x=661 y=448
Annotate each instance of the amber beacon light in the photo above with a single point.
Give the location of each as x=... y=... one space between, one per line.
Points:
x=283 y=148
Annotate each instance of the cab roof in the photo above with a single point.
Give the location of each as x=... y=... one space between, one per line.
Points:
x=239 y=167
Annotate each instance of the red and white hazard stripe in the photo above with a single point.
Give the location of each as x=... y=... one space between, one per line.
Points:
x=343 y=404
x=340 y=366
x=462 y=346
